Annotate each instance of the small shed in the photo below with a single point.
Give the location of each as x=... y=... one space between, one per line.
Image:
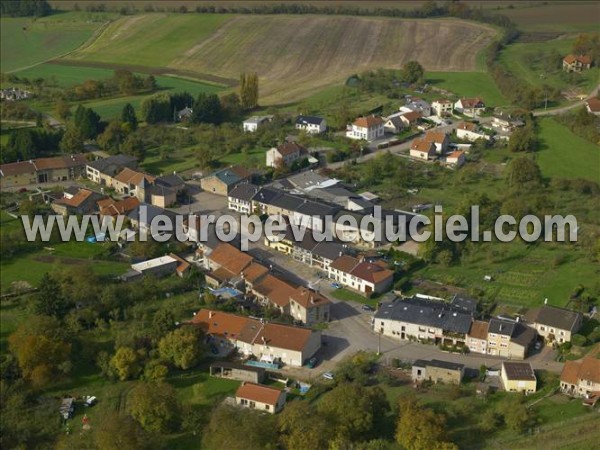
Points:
x=236 y=371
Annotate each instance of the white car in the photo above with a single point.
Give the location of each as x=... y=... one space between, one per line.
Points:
x=89 y=400
x=328 y=376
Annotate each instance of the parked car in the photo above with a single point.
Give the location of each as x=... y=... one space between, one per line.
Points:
x=538 y=345
x=89 y=400
x=336 y=285
x=368 y=308
x=328 y=376
x=312 y=363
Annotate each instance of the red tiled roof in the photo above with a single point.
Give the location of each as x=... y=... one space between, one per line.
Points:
x=411 y=116
x=290 y=147
x=345 y=263
x=259 y=393
x=111 y=207
x=309 y=299
x=129 y=176
x=570 y=372
x=370 y=272
x=254 y=271
x=455 y=154
x=469 y=126
x=229 y=257
x=479 y=330
x=590 y=369
x=283 y=336
x=76 y=201
x=221 y=324
x=183 y=264
x=422 y=145
x=275 y=289
x=475 y=102
x=368 y=122
x=583 y=59
x=435 y=136
x=59 y=162
x=594 y=104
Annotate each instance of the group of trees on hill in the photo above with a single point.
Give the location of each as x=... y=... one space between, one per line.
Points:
x=24 y=8
x=122 y=82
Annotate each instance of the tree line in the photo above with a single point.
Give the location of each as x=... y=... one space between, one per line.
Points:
x=25 y=8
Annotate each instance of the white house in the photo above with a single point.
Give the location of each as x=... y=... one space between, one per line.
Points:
x=362 y=276
x=469 y=131
x=422 y=149
x=285 y=154
x=253 y=123
x=417 y=104
x=240 y=198
x=260 y=397
x=394 y=123
x=439 y=139
x=456 y=159
x=442 y=107
x=368 y=128
x=471 y=107
x=311 y=124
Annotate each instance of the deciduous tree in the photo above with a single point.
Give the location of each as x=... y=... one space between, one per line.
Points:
x=155 y=407
x=183 y=347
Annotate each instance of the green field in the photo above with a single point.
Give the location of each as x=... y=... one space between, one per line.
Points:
x=468 y=84
x=26 y=41
x=528 y=61
x=565 y=155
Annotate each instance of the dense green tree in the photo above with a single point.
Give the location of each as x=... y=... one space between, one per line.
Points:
x=523 y=140
x=207 y=109
x=126 y=363
x=412 y=72
x=232 y=107
x=63 y=109
x=183 y=347
x=157 y=108
x=112 y=137
x=155 y=406
x=87 y=121
x=420 y=428
x=302 y=427
x=23 y=8
x=41 y=349
x=128 y=117
x=134 y=146
x=20 y=145
x=523 y=170
x=235 y=428
x=49 y=299
x=72 y=141
x=114 y=431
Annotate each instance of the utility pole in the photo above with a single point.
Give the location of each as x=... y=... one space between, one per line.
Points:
x=379 y=343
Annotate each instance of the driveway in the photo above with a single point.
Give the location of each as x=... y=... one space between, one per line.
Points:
x=555 y=111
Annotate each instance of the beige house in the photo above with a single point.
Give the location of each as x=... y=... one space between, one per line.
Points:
x=581 y=378
x=260 y=397
x=576 y=63
x=42 y=170
x=309 y=307
x=102 y=171
x=422 y=149
x=555 y=324
x=518 y=377
x=456 y=159
x=477 y=337
x=437 y=371
x=361 y=276
x=223 y=181
x=470 y=131
x=471 y=107
x=440 y=140
x=285 y=154
x=509 y=339
x=442 y=107
x=268 y=342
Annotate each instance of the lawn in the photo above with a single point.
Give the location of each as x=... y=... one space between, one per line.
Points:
x=33 y=266
x=348 y=295
x=468 y=84
x=566 y=155
x=27 y=41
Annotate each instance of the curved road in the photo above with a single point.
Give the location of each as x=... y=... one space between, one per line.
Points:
x=555 y=111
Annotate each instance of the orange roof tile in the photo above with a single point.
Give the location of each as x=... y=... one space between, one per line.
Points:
x=221 y=324
x=435 y=136
x=368 y=122
x=309 y=299
x=570 y=372
x=275 y=289
x=283 y=336
x=422 y=146
x=229 y=257
x=129 y=176
x=254 y=272
x=259 y=393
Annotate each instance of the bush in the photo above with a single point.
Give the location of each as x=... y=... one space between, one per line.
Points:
x=579 y=340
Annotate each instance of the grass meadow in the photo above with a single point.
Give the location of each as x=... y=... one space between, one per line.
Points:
x=468 y=84
x=27 y=41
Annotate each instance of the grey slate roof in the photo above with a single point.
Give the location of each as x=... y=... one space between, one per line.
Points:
x=465 y=303
x=503 y=327
x=267 y=195
x=426 y=312
x=329 y=250
x=445 y=365
x=313 y=120
x=116 y=160
x=244 y=191
x=171 y=181
x=552 y=316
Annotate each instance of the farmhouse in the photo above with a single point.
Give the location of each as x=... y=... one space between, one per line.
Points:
x=260 y=397
x=581 y=378
x=477 y=337
x=83 y=201
x=509 y=339
x=455 y=159
x=423 y=319
x=505 y=122
x=311 y=124
x=240 y=197
x=266 y=341
x=42 y=170
x=442 y=107
x=576 y=63
x=440 y=140
x=470 y=131
x=366 y=128
x=555 y=324
x=275 y=292
x=102 y=171
x=422 y=149
x=185 y=114
x=309 y=307
x=410 y=118
x=471 y=107
x=227 y=261
x=253 y=123
x=113 y=208
x=518 y=377
x=223 y=181
x=437 y=371
x=593 y=106
x=360 y=275
x=285 y=154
